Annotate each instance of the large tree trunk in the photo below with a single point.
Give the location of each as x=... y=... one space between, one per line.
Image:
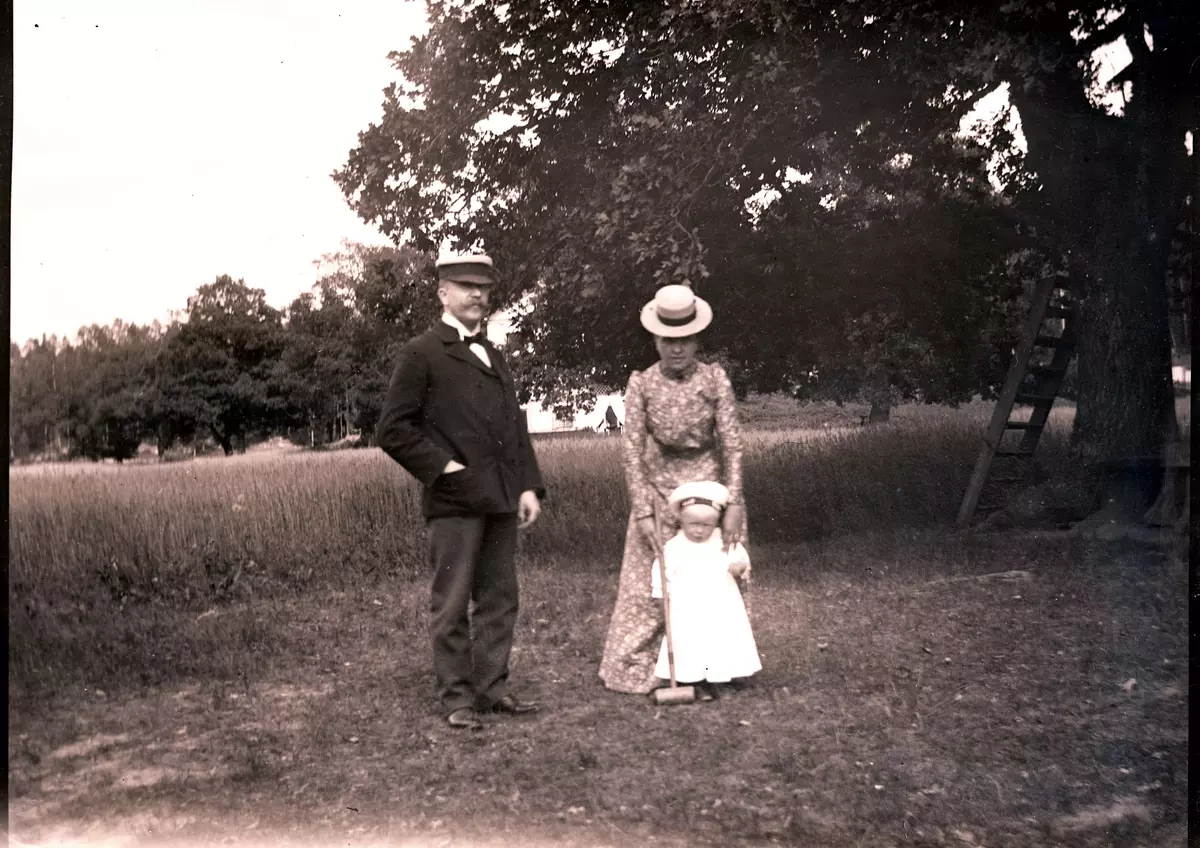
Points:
x=1106 y=204
x=223 y=440
x=165 y=438
x=1126 y=407
x=881 y=395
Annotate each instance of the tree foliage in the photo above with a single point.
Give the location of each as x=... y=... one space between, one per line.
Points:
x=601 y=151
x=217 y=370
x=83 y=399
x=231 y=370
x=343 y=335
x=641 y=135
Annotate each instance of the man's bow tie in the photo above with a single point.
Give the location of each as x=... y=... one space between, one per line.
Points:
x=478 y=338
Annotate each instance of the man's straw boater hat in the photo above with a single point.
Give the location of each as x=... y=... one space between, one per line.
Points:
x=475 y=268
x=676 y=312
x=705 y=493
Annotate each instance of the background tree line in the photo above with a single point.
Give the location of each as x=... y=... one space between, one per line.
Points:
x=230 y=369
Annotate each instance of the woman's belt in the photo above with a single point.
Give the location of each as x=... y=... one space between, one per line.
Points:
x=670 y=452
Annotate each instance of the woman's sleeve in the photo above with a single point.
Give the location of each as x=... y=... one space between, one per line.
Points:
x=641 y=493
x=730 y=434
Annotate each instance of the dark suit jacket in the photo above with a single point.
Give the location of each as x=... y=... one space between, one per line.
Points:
x=444 y=403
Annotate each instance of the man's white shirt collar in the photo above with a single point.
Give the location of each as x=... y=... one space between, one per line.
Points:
x=463 y=332
x=476 y=348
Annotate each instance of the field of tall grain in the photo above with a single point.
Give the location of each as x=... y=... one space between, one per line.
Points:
x=107 y=561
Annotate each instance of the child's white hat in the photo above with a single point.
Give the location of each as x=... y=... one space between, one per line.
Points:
x=706 y=492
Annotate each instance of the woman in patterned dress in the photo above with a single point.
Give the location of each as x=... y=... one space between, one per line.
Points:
x=680 y=426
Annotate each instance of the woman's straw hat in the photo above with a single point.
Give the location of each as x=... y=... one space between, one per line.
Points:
x=676 y=312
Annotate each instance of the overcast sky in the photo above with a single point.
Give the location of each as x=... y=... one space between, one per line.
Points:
x=160 y=144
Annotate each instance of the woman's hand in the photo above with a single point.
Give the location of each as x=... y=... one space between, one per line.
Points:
x=731 y=525
x=649 y=532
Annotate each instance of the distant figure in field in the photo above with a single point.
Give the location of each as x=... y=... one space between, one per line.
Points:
x=611 y=422
x=680 y=426
x=710 y=630
x=452 y=420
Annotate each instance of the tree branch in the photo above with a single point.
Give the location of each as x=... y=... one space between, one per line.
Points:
x=1129 y=73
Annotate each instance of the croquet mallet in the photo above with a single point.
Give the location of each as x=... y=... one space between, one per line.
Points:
x=676 y=694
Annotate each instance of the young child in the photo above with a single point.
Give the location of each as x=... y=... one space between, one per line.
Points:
x=710 y=631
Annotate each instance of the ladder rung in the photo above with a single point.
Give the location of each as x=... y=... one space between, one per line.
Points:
x=1013 y=453
x=1034 y=400
x=1022 y=425
x=1053 y=341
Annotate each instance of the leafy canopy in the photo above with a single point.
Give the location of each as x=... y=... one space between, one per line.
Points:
x=601 y=151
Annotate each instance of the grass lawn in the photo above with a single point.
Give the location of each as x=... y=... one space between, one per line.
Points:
x=908 y=698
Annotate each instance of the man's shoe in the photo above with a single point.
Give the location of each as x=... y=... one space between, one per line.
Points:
x=510 y=705
x=464 y=719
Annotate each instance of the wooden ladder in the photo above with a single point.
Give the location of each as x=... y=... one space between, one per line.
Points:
x=1046 y=379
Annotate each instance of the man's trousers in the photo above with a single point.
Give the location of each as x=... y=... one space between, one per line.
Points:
x=473 y=570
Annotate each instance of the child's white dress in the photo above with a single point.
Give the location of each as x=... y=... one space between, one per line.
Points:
x=710 y=630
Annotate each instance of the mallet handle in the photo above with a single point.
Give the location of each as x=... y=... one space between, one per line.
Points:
x=662 y=570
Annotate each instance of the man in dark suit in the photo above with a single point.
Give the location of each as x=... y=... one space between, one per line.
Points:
x=451 y=419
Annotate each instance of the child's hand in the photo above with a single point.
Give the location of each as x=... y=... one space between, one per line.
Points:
x=739 y=569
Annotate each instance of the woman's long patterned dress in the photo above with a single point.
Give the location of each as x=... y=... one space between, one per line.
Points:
x=678 y=429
